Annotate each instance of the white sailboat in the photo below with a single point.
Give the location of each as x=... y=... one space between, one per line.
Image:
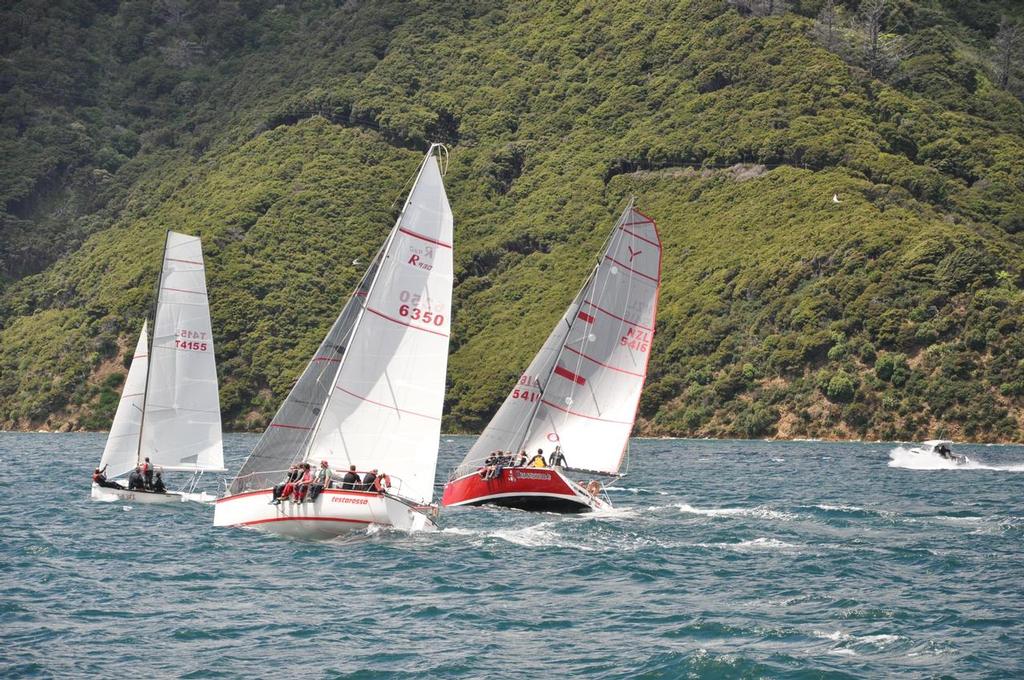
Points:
x=579 y=396
x=372 y=395
x=170 y=407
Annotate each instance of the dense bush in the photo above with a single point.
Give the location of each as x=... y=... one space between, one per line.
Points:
x=285 y=133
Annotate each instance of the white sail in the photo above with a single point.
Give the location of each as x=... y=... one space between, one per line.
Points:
x=181 y=427
x=384 y=410
x=120 y=454
x=582 y=389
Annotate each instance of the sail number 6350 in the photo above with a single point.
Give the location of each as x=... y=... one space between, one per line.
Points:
x=412 y=309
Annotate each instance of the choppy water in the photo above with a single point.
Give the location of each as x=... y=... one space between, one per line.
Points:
x=722 y=559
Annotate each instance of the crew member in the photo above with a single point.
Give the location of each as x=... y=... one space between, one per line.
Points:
x=557 y=459
x=100 y=477
x=147 y=473
x=321 y=481
x=158 y=483
x=538 y=459
x=351 y=478
x=381 y=483
x=368 y=480
x=135 y=480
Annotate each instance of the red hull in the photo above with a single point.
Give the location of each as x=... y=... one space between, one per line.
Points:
x=526 y=488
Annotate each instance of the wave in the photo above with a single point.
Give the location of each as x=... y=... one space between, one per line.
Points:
x=916 y=459
x=634 y=490
x=848 y=643
x=758 y=512
x=536 y=536
x=754 y=545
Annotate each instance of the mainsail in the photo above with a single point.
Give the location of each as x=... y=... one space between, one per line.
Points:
x=582 y=389
x=181 y=421
x=373 y=394
x=120 y=454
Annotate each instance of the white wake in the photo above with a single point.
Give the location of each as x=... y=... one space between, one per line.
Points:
x=917 y=459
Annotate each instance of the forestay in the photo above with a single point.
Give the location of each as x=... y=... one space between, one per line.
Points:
x=384 y=410
x=582 y=389
x=287 y=437
x=181 y=425
x=121 y=452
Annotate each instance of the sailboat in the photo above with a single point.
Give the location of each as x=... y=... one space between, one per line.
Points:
x=373 y=393
x=576 y=403
x=170 y=407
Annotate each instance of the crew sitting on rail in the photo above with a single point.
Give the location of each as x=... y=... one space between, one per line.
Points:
x=321 y=481
x=557 y=459
x=284 y=489
x=488 y=466
x=538 y=459
x=594 y=488
x=100 y=477
x=351 y=479
x=520 y=460
x=381 y=483
x=500 y=462
x=158 y=483
x=306 y=481
x=369 y=479
x=135 y=480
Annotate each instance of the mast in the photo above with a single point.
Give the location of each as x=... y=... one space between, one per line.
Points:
x=149 y=349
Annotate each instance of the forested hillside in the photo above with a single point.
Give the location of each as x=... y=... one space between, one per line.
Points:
x=839 y=187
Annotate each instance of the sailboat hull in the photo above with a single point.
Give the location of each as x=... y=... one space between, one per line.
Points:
x=536 y=489
x=109 y=495
x=334 y=514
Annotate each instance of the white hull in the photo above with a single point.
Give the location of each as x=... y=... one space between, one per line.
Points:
x=109 y=495
x=335 y=513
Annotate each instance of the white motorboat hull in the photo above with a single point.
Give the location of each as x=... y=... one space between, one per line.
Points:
x=334 y=514
x=108 y=495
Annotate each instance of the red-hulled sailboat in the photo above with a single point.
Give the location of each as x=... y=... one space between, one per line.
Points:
x=579 y=396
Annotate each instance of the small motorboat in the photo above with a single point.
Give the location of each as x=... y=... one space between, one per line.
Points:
x=943 y=449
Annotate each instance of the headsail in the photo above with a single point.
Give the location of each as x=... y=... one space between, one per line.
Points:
x=385 y=405
x=181 y=427
x=120 y=453
x=582 y=389
x=287 y=437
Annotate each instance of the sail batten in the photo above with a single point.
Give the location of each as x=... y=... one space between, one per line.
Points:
x=582 y=390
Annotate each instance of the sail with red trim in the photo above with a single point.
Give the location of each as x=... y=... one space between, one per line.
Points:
x=582 y=390
x=384 y=408
x=286 y=439
x=121 y=452
x=181 y=427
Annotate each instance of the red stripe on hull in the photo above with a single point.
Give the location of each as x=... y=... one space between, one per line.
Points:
x=304 y=519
